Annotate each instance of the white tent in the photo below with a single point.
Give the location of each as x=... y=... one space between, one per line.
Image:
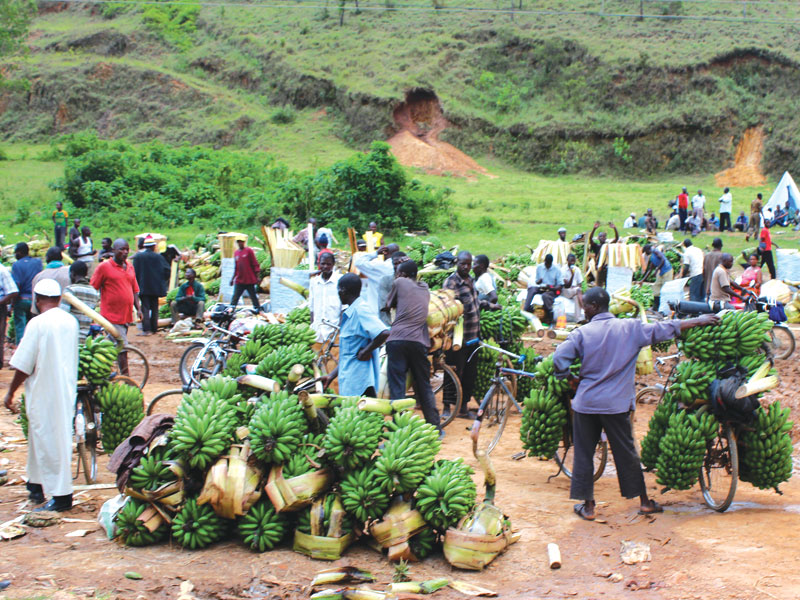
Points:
x=786 y=191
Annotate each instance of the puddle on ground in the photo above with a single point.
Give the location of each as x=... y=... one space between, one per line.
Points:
x=702 y=508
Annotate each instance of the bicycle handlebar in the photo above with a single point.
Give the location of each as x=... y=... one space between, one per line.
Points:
x=520 y=358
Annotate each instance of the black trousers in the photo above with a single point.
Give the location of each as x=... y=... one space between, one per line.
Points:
x=683 y=214
x=149 y=312
x=548 y=298
x=725 y=221
x=3 y=323
x=466 y=371
x=586 y=429
x=404 y=355
x=240 y=288
x=768 y=259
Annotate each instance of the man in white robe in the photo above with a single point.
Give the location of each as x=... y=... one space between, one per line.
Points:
x=46 y=360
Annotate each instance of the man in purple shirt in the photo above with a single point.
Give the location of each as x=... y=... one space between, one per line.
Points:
x=605 y=394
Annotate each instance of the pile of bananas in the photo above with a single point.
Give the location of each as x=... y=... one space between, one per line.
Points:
x=197 y=525
x=134 y=531
x=277 y=336
x=299 y=316
x=262 y=528
x=151 y=474
x=123 y=409
x=407 y=455
x=657 y=426
x=423 y=543
x=487 y=359
x=447 y=494
x=507 y=324
x=352 y=437
x=765 y=453
x=227 y=389
x=327 y=507
x=739 y=333
x=753 y=362
x=546 y=379
x=682 y=448
x=544 y=417
x=203 y=429
x=692 y=378
x=97 y=357
x=304 y=460
x=363 y=495
x=277 y=428
x=276 y=364
x=424 y=251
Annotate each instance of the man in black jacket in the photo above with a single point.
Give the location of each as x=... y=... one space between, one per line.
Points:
x=152 y=274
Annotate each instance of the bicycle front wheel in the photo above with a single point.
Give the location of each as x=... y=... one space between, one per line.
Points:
x=87 y=457
x=166 y=402
x=193 y=370
x=450 y=383
x=133 y=363
x=503 y=418
x=719 y=474
x=564 y=456
x=783 y=342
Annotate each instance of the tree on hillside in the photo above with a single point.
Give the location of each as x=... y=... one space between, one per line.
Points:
x=15 y=17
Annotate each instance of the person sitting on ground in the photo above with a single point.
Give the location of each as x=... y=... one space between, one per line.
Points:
x=780 y=216
x=694 y=224
x=630 y=222
x=650 y=222
x=484 y=281
x=659 y=264
x=573 y=278
x=595 y=246
x=83 y=291
x=605 y=394
x=549 y=282
x=190 y=300
x=674 y=222
x=752 y=276
x=722 y=288
x=713 y=223
x=741 y=222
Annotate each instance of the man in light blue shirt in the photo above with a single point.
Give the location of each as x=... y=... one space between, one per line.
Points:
x=361 y=333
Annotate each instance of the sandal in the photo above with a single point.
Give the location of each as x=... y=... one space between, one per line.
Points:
x=656 y=508
x=580 y=510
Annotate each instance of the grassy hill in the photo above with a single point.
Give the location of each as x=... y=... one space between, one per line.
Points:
x=546 y=88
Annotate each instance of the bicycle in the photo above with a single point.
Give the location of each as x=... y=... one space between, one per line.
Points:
x=652 y=394
x=326 y=362
x=87 y=426
x=719 y=474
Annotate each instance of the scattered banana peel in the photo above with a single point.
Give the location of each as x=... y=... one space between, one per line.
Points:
x=12 y=531
x=232 y=484
x=471 y=590
x=44 y=518
x=342 y=575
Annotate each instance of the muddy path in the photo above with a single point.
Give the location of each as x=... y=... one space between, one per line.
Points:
x=749 y=552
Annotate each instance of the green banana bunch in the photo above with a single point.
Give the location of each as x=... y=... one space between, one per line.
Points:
x=227 y=389
x=277 y=428
x=132 y=530
x=123 y=409
x=22 y=419
x=753 y=362
x=203 y=429
x=233 y=365
x=544 y=417
x=352 y=437
x=96 y=358
x=362 y=494
x=524 y=384
x=301 y=461
x=327 y=506
x=277 y=363
x=507 y=324
x=765 y=458
x=262 y=528
x=423 y=543
x=487 y=359
x=299 y=316
x=692 y=379
x=277 y=336
x=407 y=456
x=657 y=426
x=682 y=448
x=546 y=379
x=447 y=494
x=197 y=525
x=738 y=333
x=254 y=349
x=150 y=474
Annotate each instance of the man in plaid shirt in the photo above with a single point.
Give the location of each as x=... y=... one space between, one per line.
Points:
x=8 y=294
x=80 y=288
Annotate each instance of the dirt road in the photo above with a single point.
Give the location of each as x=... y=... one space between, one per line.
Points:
x=749 y=552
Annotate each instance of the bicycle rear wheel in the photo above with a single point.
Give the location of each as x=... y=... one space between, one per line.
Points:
x=194 y=371
x=87 y=457
x=783 y=342
x=719 y=474
x=138 y=369
x=501 y=425
x=564 y=455
x=448 y=378
x=166 y=402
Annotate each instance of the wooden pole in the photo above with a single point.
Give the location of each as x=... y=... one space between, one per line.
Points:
x=554 y=556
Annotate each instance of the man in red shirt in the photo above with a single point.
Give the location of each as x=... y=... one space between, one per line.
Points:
x=245 y=274
x=119 y=293
x=683 y=208
x=765 y=248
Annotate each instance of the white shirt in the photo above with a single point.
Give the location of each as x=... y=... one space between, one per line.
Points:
x=577 y=280
x=726 y=203
x=673 y=223
x=380 y=275
x=48 y=353
x=698 y=202
x=84 y=248
x=693 y=257
x=324 y=300
x=485 y=284
x=327 y=232
x=629 y=223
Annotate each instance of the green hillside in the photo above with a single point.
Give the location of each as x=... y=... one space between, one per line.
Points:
x=543 y=88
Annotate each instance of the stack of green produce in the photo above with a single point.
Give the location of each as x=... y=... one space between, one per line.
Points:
x=682 y=447
x=97 y=357
x=423 y=252
x=487 y=359
x=506 y=325
x=123 y=409
x=299 y=316
x=738 y=334
x=765 y=449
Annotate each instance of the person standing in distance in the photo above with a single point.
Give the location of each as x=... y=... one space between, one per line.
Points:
x=152 y=274
x=46 y=361
x=60 y=217
x=683 y=208
x=693 y=269
x=245 y=274
x=725 y=208
x=324 y=297
x=23 y=271
x=8 y=295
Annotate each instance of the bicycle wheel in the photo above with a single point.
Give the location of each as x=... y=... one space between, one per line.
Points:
x=501 y=425
x=193 y=371
x=87 y=457
x=167 y=402
x=449 y=378
x=783 y=342
x=719 y=474
x=652 y=394
x=564 y=455
x=138 y=368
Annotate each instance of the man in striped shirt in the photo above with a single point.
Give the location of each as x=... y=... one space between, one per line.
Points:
x=80 y=288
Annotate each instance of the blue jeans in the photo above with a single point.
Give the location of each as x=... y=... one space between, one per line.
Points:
x=22 y=314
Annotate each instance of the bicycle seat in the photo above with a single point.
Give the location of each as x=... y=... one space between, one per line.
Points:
x=693 y=308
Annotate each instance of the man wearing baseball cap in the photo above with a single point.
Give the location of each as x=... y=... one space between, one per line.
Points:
x=46 y=361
